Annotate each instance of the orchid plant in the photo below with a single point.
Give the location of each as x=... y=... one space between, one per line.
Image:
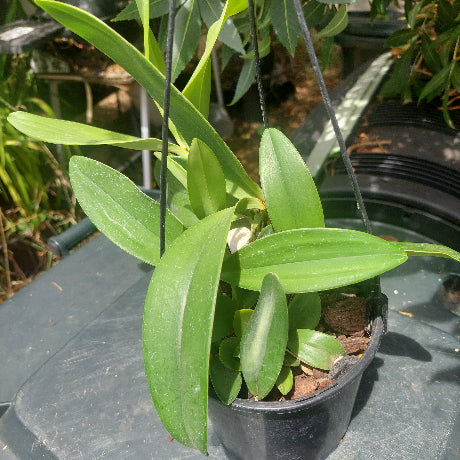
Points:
x=235 y=296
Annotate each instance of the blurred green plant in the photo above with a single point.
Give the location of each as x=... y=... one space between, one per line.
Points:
x=427 y=52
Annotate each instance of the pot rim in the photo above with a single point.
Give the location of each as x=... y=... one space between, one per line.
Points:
x=330 y=391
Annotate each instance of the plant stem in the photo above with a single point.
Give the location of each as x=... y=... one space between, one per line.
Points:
x=332 y=117
x=165 y=125
x=260 y=89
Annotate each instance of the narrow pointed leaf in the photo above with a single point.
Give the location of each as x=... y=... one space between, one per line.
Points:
x=315 y=348
x=127 y=216
x=290 y=192
x=72 y=133
x=285 y=23
x=245 y=80
x=157 y=8
x=183 y=290
x=264 y=339
x=226 y=382
x=305 y=311
x=338 y=23
x=427 y=249
x=308 y=260
x=186 y=118
x=205 y=180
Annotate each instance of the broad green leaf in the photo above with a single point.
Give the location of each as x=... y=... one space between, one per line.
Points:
x=309 y=260
x=187 y=31
x=314 y=12
x=211 y=11
x=264 y=339
x=127 y=216
x=244 y=298
x=177 y=328
x=315 y=348
x=72 y=133
x=226 y=382
x=290 y=360
x=290 y=192
x=175 y=168
x=245 y=80
x=241 y=319
x=183 y=114
x=285 y=380
x=338 y=23
x=285 y=23
x=427 y=249
x=401 y=38
x=223 y=318
x=205 y=180
x=304 y=311
x=229 y=351
x=199 y=86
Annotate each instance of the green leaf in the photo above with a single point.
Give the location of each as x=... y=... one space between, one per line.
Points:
x=205 y=180
x=315 y=348
x=427 y=249
x=223 y=318
x=183 y=114
x=435 y=86
x=430 y=54
x=187 y=31
x=290 y=360
x=245 y=80
x=314 y=12
x=174 y=350
x=304 y=311
x=337 y=24
x=264 y=339
x=399 y=78
x=290 y=192
x=315 y=259
x=241 y=319
x=157 y=8
x=401 y=38
x=72 y=133
x=229 y=351
x=285 y=23
x=226 y=382
x=127 y=216
x=285 y=380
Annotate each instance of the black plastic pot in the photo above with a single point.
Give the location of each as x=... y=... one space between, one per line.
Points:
x=309 y=427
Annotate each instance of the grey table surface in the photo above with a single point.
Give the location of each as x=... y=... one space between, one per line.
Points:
x=71 y=367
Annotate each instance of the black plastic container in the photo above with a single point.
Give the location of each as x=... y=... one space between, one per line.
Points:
x=309 y=427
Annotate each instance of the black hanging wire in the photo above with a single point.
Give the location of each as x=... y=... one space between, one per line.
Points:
x=332 y=117
x=165 y=125
x=252 y=22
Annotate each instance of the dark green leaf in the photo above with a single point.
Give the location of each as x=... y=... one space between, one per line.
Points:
x=315 y=348
x=264 y=339
x=226 y=382
x=290 y=192
x=337 y=24
x=309 y=260
x=127 y=216
x=314 y=12
x=174 y=351
x=245 y=80
x=435 y=86
x=205 y=180
x=223 y=318
x=229 y=351
x=304 y=311
x=430 y=54
x=285 y=23
x=400 y=38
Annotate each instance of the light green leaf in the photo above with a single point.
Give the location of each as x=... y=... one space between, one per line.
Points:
x=290 y=192
x=285 y=23
x=72 y=133
x=315 y=348
x=127 y=216
x=205 y=180
x=245 y=80
x=315 y=259
x=427 y=249
x=338 y=23
x=226 y=382
x=183 y=114
x=285 y=380
x=157 y=8
x=187 y=31
x=304 y=311
x=229 y=351
x=264 y=339
x=241 y=319
x=173 y=351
